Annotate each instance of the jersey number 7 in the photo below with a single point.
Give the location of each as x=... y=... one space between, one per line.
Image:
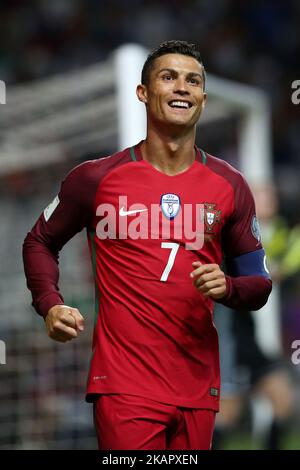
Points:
x=174 y=248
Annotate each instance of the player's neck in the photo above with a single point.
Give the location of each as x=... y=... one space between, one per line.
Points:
x=171 y=155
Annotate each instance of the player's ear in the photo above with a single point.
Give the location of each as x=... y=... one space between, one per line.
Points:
x=204 y=100
x=141 y=92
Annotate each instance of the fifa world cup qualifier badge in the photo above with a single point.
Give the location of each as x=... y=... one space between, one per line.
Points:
x=255 y=229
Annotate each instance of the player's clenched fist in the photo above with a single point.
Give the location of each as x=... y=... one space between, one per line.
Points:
x=209 y=279
x=63 y=323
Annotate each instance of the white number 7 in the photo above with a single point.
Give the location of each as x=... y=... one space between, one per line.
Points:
x=174 y=248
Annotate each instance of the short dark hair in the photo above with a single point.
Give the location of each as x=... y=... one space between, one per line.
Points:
x=171 y=47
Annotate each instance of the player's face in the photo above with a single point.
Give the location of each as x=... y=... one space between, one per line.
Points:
x=174 y=95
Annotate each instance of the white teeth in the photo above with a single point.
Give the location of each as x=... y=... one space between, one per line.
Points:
x=179 y=104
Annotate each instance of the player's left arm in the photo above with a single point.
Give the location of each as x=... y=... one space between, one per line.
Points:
x=247 y=283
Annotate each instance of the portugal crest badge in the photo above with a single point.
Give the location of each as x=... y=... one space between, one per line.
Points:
x=212 y=216
x=170 y=205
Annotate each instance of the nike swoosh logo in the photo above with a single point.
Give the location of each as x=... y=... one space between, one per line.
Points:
x=122 y=212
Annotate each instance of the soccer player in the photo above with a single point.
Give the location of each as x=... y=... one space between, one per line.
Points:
x=154 y=374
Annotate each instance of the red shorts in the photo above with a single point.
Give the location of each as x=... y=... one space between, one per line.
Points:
x=136 y=423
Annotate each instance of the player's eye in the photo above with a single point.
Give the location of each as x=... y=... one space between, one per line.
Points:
x=167 y=77
x=194 y=81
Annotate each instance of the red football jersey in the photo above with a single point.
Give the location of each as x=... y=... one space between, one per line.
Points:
x=154 y=332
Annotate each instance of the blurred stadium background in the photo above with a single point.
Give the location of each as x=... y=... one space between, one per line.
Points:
x=57 y=61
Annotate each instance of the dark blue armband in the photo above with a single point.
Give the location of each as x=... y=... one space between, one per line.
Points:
x=249 y=264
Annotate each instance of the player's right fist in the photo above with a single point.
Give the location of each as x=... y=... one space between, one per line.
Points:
x=63 y=323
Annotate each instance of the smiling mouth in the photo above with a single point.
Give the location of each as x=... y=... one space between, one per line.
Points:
x=179 y=104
